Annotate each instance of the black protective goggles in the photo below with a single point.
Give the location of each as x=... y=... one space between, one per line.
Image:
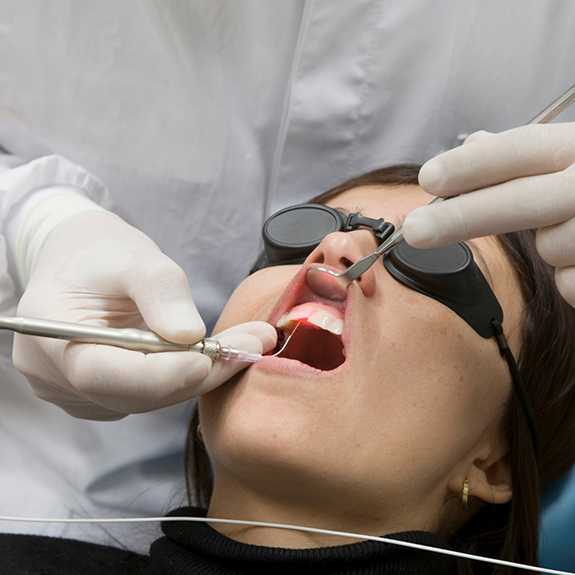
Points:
x=448 y=274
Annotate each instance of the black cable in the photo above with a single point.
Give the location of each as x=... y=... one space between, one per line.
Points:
x=518 y=384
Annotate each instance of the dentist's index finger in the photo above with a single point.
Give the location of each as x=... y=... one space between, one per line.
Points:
x=523 y=203
x=490 y=159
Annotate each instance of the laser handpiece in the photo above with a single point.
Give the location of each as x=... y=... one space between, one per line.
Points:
x=127 y=338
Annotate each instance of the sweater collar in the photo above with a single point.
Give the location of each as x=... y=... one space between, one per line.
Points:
x=204 y=550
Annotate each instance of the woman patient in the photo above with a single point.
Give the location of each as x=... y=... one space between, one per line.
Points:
x=387 y=413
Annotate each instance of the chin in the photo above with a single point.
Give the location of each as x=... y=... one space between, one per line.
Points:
x=258 y=435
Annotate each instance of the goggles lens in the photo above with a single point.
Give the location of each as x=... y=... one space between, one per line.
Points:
x=291 y=234
x=449 y=275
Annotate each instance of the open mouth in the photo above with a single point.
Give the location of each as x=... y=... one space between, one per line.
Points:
x=317 y=340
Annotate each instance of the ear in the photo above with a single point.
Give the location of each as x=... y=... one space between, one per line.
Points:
x=489 y=479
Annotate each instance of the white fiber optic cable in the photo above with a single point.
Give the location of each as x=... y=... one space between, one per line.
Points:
x=297 y=528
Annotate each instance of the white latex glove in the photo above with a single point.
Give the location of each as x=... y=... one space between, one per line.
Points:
x=95 y=268
x=520 y=179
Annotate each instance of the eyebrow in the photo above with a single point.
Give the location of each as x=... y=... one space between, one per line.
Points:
x=399 y=219
x=348 y=212
x=477 y=252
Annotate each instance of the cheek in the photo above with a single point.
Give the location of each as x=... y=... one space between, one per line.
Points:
x=419 y=390
x=433 y=374
x=255 y=297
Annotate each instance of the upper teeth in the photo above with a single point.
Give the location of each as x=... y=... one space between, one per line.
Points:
x=328 y=319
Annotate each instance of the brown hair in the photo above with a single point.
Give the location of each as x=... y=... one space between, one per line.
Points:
x=547 y=363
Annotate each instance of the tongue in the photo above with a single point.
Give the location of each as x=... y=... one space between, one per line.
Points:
x=315 y=347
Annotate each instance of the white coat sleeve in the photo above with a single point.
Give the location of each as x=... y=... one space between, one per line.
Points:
x=34 y=199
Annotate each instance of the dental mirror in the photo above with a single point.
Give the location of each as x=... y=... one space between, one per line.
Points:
x=331 y=285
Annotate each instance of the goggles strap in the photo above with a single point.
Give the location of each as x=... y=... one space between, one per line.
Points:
x=518 y=384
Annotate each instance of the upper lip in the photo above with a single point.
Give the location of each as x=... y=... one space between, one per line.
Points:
x=298 y=292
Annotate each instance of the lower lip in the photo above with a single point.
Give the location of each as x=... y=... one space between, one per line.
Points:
x=292 y=366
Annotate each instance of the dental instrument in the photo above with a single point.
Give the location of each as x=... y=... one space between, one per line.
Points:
x=333 y=286
x=127 y=338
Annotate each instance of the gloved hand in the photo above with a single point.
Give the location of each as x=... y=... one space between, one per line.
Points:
x=519 y=179
x=95 y=268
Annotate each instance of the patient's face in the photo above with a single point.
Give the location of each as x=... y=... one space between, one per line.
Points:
x=413 y=395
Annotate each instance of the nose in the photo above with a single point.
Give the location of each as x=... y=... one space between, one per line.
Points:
x=342 y=249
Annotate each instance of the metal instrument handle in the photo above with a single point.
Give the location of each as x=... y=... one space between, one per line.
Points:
x=127 y=338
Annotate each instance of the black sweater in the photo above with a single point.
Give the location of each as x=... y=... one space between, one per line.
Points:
x=197 y=549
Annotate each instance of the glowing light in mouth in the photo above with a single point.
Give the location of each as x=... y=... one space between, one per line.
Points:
x=317 y=342
x=325 y=317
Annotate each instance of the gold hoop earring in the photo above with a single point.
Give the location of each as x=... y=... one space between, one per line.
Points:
x=199 y=433
x=465 y=494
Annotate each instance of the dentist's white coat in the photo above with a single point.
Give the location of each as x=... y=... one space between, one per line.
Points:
x=204 y=117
